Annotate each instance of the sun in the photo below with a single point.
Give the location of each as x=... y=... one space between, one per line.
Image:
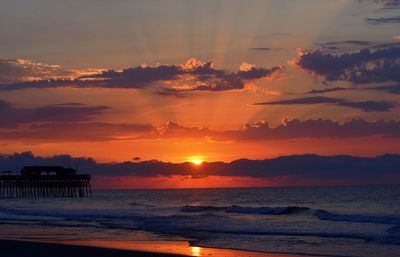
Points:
x=196 y=161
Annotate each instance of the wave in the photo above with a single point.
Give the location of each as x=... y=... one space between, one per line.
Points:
x=320 y=214
x=393 y=230
x=267 y=210
x=75 y=214
x=245 y=210
x=91 y=214
x=200 y=208
x=379 y=219
x=141 y=205
x=200 y=225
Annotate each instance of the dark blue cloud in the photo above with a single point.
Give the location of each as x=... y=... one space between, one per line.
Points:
x=383 y=20
x=357 y=169
x=366 y=106
x=363 y=67
x=62 y=122
x=90 y=131
x=344 y=43
x=201 y=76
x=260 y=49
x=385 y=3
x=296 y=129
x=390 y=89
x=289 y=129
x=328 y=90
x=11 y=116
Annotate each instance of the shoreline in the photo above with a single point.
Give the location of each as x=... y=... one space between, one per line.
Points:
x=109 y=248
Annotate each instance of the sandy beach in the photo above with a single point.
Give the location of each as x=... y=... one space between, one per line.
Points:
x=102 y=248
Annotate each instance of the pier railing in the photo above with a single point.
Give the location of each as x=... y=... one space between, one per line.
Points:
x=13 y=186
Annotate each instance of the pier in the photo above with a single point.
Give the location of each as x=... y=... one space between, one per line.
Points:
x=45 y=181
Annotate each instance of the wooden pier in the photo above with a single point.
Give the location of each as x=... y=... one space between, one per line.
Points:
x=45 y=181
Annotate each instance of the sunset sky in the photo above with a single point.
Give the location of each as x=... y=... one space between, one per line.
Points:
x=209 y=80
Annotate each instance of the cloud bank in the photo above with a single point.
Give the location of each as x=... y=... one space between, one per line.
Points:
x=62 y=122
x=194 y=75
x=366 y=106
x=362 y=67
x=356 y=169
x=22 y=70
x=288 y=129
x=79 y=122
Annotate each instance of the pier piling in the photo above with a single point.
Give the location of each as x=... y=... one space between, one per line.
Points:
x=45 y=181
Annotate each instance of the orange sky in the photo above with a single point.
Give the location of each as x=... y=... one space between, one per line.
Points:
x=141 y=81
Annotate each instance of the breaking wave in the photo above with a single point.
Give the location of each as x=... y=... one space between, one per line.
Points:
x=245 y=210
x=379 y=219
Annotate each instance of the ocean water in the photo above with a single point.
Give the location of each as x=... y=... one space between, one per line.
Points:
x=332 y=221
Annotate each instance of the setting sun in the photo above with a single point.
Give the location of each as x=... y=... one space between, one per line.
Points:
x=196 y=161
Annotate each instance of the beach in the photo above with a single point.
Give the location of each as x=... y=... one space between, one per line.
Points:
x=16 y=248
x=102 y=248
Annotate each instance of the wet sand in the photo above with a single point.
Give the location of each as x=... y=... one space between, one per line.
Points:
x=102 y=248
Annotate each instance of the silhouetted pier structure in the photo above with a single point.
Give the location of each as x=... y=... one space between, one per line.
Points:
x=44 y=181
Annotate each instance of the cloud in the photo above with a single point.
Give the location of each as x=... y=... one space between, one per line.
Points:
x=194 y=75
x=385 y=45
x=75 y=132
x=62 y=122
x=392 y=89
x=296 y=129
x=369 y=106
x=174 y=130
x=363 y=67
x=335 y=45
x=366 y=106
x=383 y=20
x=257 y=131
x=357 y=169
x=328 y=90
x=387 y=4
x=289 y=129
x=260 y=49
x=11 y=116
x=20 y=70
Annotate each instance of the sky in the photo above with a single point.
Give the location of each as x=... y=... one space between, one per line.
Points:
x=208 y=81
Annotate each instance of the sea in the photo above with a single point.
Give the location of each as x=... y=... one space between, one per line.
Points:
x=329 y=221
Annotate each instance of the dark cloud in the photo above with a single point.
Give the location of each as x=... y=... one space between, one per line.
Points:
x=194 y=75
x=258 y=131
x=344 y=43
x=357 y=169
x=20 y=70
x=385 y=45
x=11 y=116
x=392 y=89
x=369 y=106
x=260 y=49
x=289 y=129
x=75 y=131
x=366 y=106
x=303 y=100
x=62 y=122
x=295 y=129
x=365 y=66
x=383 y=20
x=387 y=4
x=328 y=90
